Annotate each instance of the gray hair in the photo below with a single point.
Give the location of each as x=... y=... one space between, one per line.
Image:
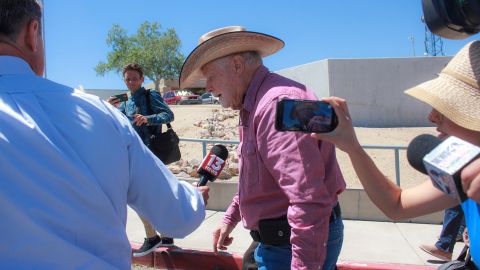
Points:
x=15 y=13
x=250 y=58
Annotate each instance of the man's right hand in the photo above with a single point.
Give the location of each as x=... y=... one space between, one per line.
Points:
x=114 y=101
x=221 y=237
x=204 y=191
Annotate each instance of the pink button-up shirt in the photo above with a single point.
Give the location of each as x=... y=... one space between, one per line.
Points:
x=284 y=173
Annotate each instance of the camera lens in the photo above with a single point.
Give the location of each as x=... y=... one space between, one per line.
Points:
x=457 y=19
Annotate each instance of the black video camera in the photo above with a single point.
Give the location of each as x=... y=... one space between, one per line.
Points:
x=452 y=19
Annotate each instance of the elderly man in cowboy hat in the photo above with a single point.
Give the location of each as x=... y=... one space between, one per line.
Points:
x=455 y=100
x=289 y=182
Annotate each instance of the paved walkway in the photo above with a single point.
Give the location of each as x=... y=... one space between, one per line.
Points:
x=366 y=241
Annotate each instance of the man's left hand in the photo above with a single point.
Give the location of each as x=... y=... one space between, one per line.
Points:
x=139 y=119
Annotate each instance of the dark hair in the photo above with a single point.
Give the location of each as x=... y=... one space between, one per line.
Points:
x=134 y=67
x=15 y=13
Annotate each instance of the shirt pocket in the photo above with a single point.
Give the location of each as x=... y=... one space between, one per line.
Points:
x=249 y=173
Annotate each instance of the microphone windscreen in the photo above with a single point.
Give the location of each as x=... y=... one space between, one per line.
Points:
x=418 y=148
x=220 y=151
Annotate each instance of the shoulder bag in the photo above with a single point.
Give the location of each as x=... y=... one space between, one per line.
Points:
x=463 y=262
x=163 y=144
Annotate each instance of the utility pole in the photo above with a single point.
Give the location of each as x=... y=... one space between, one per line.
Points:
x=412 y=40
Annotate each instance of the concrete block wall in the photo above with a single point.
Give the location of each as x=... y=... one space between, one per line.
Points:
x=373 y=87
x=355 y=203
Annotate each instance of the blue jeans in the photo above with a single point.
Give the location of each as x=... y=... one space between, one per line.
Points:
x=280 y=257
x=453 y=224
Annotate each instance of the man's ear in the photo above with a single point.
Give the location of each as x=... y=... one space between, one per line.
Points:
x=32 y=35
x=238 y=64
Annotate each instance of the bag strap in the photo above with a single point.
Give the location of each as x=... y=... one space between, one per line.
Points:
x=149 y=108
x=463 y=254
x=467 y=259
x=149 y=105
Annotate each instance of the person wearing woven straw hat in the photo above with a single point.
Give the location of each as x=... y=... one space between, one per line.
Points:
x=282 y=186
x=455 y=99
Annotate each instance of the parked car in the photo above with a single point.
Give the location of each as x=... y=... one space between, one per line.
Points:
x=208 y=98
x=181 y=97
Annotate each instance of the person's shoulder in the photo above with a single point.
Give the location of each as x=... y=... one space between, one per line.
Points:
x=282 y=87
x=154 y=93
x=281 y=91
x=277 y=80
x=38 y=83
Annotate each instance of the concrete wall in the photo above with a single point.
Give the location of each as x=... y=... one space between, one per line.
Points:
x=355 y=203
x=373 y=87
x=104 y=93
x=313 y=75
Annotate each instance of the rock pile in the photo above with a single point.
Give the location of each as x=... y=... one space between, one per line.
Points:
x=215 y=127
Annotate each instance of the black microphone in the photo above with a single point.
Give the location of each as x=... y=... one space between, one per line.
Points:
x=212 y=164
x=419 y=147
x=443 y=161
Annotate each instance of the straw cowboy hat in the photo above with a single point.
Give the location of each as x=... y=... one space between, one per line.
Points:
x=222 y=42
x=455 y=92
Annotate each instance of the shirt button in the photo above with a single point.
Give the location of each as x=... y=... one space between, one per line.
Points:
x=324 y=244
x=280 y=233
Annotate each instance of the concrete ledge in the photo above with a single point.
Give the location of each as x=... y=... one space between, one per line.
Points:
x=357 y=206
x=355 y=203
x=178 y=258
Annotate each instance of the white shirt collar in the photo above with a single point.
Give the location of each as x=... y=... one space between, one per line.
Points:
x=14 y=65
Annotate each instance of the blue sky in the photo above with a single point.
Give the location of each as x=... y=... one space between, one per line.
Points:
x=75 y=30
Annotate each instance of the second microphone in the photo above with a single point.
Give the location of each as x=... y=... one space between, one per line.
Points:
x=212 y=165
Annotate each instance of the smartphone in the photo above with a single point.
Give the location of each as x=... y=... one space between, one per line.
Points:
x=310 y=116
x=122 y=97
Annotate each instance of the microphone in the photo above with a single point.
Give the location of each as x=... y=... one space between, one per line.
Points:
x=419 y=147
x=212 y=164
x=443 y=161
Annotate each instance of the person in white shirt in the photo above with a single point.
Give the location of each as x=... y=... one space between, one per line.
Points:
x=69 y=165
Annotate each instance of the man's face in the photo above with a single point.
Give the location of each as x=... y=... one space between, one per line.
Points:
x=223 y=82
x=133 y=80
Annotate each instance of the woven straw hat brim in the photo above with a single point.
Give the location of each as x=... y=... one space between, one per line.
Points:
x=223 y=45
x=458 y=101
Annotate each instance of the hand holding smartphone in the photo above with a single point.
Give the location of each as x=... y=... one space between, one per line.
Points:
x=121 y=97
x=309 y=116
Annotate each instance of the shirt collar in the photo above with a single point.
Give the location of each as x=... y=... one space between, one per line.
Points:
x=139 y=92
x=10 y=65
x=257 y=80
